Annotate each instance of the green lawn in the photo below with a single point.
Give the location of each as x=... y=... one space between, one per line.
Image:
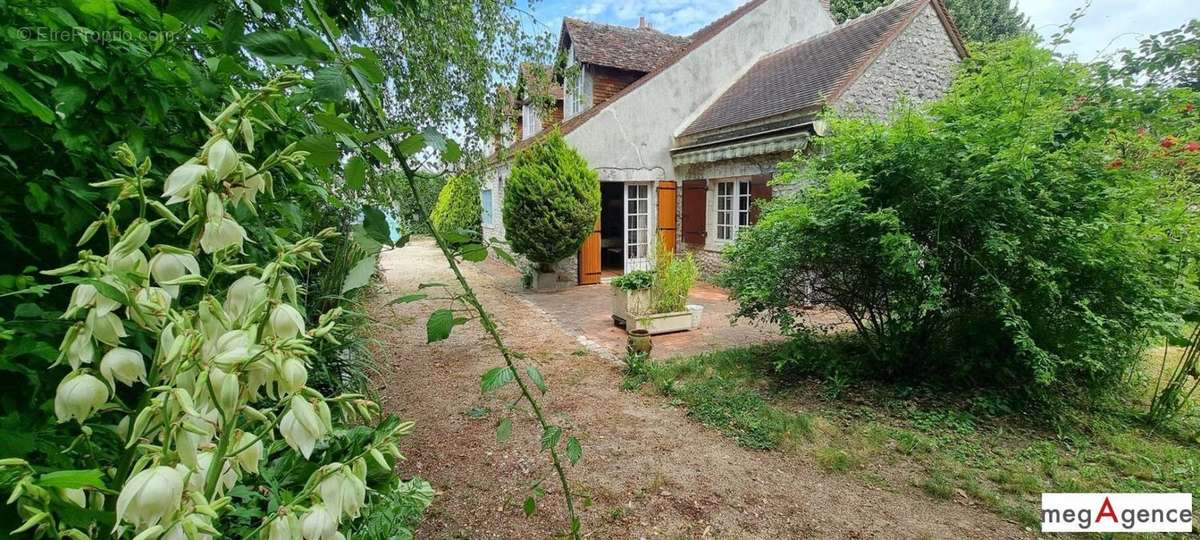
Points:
x=939 y=444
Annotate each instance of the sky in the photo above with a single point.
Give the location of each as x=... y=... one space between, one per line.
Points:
x=1125 y=21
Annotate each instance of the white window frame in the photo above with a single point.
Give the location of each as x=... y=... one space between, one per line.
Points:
x=576 y=96
x=485 y=202
x=732 y=206
x=531 y=122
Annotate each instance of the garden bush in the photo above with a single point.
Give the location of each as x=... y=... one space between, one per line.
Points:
x=674 y=276
x=188 y=373
x=458 y=207
x=551 y=202
x=1032 y=228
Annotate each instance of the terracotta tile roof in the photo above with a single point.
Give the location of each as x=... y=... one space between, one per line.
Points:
x=695 y=40
x=621 y=47
x=808 y=74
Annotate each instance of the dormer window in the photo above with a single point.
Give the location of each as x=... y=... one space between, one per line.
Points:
x=577 y=87
x=531 y=122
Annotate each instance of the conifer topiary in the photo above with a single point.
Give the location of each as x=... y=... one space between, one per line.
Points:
x=458 y=207
x=551 y=202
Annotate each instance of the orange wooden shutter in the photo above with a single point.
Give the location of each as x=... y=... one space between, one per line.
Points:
x=666 y=213
x=589 y=257
x=695 y=202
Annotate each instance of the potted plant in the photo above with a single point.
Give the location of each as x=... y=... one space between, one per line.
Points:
x=631 y=295
x=656 y=302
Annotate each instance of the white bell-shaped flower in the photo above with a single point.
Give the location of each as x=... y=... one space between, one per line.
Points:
x=286 y=322
x=82 y=297
x=284 y=527
x=258 y=374
x=225 y=387
x=133 y=263
x=248 y=459
x=301 y=426
x=81 y=350
x=150 y=308
x=78 y=395
x=319 y=523
x=179 y=532
x=251 y=185
x=227 y=478
x=188 y=442
x=106 y=328
x=293 y=375
x=222 y=234
x=170 y=266
x=150 y=496
x=234 y=348
x=125 y=365
x=223 y=158
x=181 y=181
x=76 y=496
x=343 y=492
x=245 y=293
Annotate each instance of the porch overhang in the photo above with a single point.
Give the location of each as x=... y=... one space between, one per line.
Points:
x=720 y=151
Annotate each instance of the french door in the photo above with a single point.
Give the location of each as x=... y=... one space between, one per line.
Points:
x=638 y=237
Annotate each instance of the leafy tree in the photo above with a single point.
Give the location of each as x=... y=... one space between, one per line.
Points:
x=1171 y=58
x=551 y=202
x=977 y=20
x=442 y=70
x=1031 y=228
x=458 y=207
x=408 y=208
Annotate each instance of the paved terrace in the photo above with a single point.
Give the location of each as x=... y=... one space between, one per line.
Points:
x=586 y=312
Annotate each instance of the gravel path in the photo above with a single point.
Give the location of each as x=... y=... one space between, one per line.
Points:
x=647 y=471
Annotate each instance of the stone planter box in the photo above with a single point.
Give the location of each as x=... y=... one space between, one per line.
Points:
x=630 y=310
x=630 y=304
x=661 y=323
x=545 y=281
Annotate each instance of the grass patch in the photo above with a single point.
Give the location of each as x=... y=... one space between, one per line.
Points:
x=938 y=485
x=718 y=392
x=834 y=459
x=943 y=444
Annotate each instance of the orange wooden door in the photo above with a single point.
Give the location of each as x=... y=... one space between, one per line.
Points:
x=666 y=213
x=589 y=257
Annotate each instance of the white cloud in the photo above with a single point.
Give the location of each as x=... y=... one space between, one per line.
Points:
x=592 y=10
x=674 y=16
x=1108 y=25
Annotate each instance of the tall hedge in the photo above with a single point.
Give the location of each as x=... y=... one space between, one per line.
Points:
x=551 y=201
x=1031 y=229
x=458 y=206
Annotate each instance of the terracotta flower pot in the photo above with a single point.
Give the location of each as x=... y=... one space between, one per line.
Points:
x=639 y=341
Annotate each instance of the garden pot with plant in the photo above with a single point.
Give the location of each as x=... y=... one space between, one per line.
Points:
x=656 y=301
x=631 y=295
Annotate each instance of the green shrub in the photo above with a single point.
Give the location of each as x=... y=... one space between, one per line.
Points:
x=551 y=202
x=1011 y=233
x=636 y=280
x=674 y=276
x=458 y=207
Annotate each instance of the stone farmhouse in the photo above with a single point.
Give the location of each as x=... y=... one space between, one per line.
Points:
x=685 y=131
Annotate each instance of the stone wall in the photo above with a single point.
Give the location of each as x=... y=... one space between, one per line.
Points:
x=919 y=65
